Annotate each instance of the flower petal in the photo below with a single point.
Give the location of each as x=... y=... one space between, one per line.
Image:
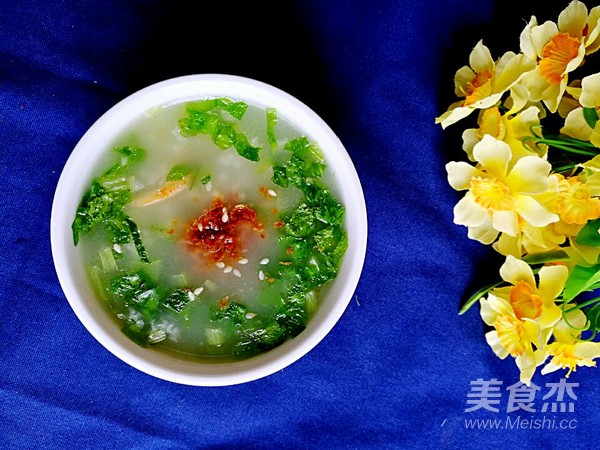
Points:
x=529 y=175
x=506 y=222
x=494 y=342
x=470 y=138
x=462 y=79
x=592 y=42
x=460 y=174
x=453 y=115
x=469 y=213
x=512 y=70
x=576 y=126
x=589 y=350
x=573 y=19
x=541 y=34
x=508 y=245
x=526 y=43
x=485 y=233
x=481 y=59
x=514 y=270
x=534 y=213
x=494 y=155
x=527 y=365
x=590 y=91
x=552 y=281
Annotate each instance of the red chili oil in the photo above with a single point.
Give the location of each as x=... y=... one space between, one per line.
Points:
x=219 y=232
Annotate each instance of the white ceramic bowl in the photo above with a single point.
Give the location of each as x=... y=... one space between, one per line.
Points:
x=77 y=175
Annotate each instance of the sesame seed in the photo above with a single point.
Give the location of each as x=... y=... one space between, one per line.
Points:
x=250 y=316
x=272 y=193
x=243 y=261
x=237 y=273
x=117 y=248
x=200 y=227
x=225 y=218
x=220 y=264
x=224 y=210
x=208 y=186
x=261 y=275
x=198 y=291
x=191 y=296
x=264 y=261
x=227 y=269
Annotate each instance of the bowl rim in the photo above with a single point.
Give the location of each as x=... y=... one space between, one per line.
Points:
x=74 y=180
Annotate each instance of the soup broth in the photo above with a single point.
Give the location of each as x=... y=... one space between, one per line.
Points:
x=211 y=230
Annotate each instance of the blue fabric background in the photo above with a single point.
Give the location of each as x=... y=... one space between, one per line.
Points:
x=395 y=371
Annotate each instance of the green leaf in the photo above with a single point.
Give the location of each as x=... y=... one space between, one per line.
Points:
x=224 y=136
x=302 y=221
x=235 y=109
x=591 y=117
x=178 y=172
x=132 y=153
x=280 y=177
x=580 y=280
x=177 y=300
x=590 y=234
x=137 y=240
x=243 y=147
x=235 y=312
x=271 y=122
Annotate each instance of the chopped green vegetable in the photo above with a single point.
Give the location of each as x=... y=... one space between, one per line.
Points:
x=204 y=117
x=102 y=205
x=233 y=311
x=302 y=221
x=178 y=172
x=206 y=179
x=177 y=300
x=271 y=122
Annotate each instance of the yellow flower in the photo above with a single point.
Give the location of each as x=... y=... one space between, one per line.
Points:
x=510 y=129
x=531 y=240
x=483 y=82
x=499 y=199
x=574 y=202
x=575 y=124
x=523 y=315
x=558 y=50
x=568 y=351
x=510 y=336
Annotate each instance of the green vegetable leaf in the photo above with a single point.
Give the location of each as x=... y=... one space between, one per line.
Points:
x=590 y=234
x=580 y=280
x=206 y=179
x=177 y=300
x=178 y=172
x=235 y=109
x=132 y=153
x=203 y=117
x=235 y=312
x=271 y=122
x=243 y=147
x=137 y=240
x=302 y=221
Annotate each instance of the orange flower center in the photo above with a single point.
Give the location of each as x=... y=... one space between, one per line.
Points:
x=525 y=303
x=510 y=332
x=490 y=122
x=556 y=55
x=492 y=193
x=479 y=88
x=576 y=206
